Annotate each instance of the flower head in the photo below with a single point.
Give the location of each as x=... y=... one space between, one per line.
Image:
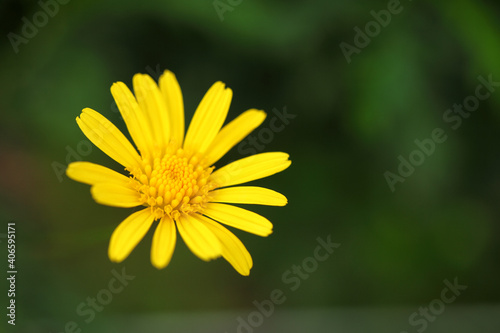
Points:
x=172 y=175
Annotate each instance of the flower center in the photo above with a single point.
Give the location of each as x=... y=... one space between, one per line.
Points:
x=173 y=184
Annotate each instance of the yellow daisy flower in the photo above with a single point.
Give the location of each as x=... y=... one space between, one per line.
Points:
x=172 y=174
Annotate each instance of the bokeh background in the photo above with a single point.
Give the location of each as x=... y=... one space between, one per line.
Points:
x=351 y=121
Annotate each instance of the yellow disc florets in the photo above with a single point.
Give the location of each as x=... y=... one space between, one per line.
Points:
x=174 y=183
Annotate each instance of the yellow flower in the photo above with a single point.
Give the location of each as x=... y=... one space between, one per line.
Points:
x=173 y=176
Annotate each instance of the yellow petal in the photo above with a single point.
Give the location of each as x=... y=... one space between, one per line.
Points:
x=239 y=218
x=172 y=95
x=208 y=118
x=91 y=173
x=249 y=195
x=233 y=249
x=200 y=240
x=108 y=138
x=163 y=243
x=128 y=234
x=116 y=195
x=134 y=117
x=250 y=168
x=233 y=133
x=152 y=103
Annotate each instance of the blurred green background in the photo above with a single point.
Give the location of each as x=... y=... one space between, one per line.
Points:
x=352 y=121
